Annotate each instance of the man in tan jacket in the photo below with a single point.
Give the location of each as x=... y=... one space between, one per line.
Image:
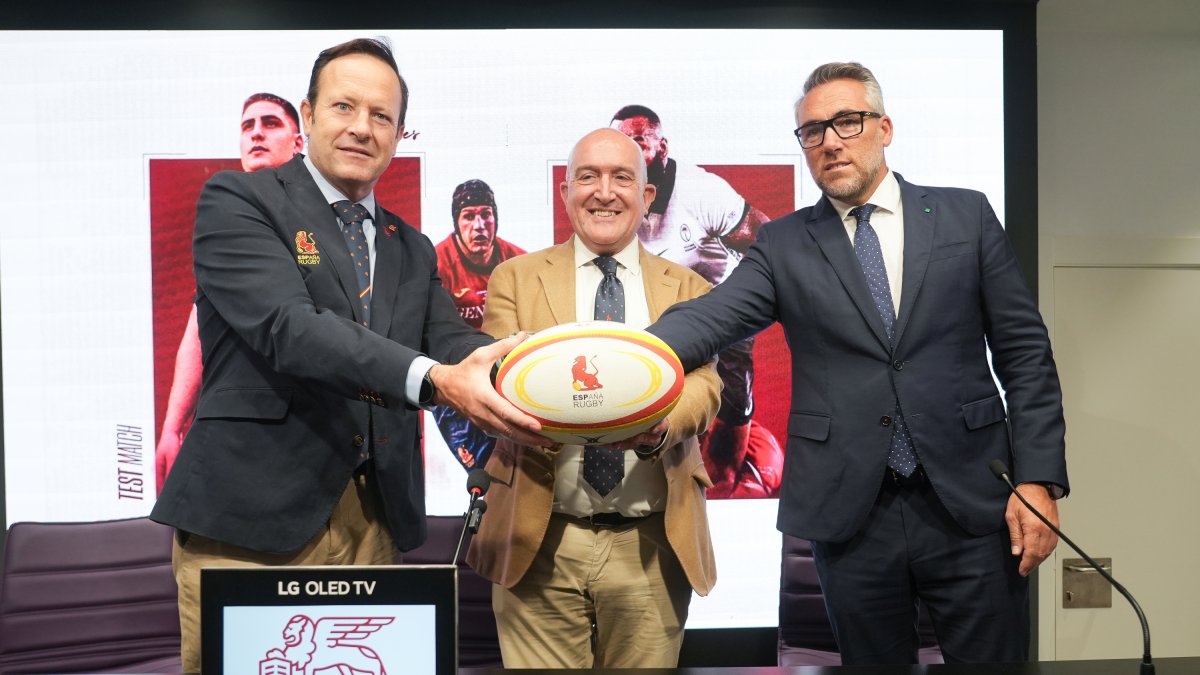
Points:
x=572 y=557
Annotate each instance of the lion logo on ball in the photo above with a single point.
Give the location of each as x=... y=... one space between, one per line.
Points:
x=583 y=379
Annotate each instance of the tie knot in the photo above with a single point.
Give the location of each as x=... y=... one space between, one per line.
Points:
x=350 y=212
x=862 y=214
x=607 y=264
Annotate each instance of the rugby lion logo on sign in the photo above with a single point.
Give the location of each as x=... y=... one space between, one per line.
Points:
x=332 y=644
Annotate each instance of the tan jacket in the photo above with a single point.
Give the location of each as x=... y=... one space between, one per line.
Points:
x=537 y=291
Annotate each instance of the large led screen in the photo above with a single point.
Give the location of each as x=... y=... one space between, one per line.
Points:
x=109 y=137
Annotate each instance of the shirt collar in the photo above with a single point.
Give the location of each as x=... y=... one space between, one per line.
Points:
x=886 y=198
x=629 y=257
x=332 y=194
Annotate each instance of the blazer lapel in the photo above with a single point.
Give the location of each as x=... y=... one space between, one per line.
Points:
x=391 y=263
x=320 y=219
x=920 y=219
x=662 y=291
x=558 y=282
x=830 y=234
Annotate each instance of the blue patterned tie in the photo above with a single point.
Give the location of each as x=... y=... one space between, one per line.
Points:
x=352 y=215
x=604 y=468
x=902 y=457
x=610 y=294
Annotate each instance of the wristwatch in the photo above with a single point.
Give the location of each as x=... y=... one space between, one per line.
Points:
x=428 y=391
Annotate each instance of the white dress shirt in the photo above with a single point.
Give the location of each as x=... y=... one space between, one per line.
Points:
x=644 y=488
x=421 y=364
x=888 y=222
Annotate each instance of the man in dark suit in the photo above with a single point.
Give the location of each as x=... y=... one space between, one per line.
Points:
x=323 y=325
x=888 y=310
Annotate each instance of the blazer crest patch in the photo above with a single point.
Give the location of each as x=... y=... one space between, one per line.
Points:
x=306 y=249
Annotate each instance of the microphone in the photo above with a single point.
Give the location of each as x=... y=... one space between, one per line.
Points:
x=478 y=482
x=1147 y=666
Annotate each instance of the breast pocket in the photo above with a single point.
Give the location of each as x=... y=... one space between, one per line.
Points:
x=951 y=250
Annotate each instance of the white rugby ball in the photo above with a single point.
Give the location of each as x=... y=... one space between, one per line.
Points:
x=592 y=382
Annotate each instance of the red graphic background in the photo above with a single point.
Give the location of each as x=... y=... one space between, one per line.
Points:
x=769 y=188
x=175 y=185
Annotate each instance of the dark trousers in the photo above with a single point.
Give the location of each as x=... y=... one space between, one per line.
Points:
x=911 y=551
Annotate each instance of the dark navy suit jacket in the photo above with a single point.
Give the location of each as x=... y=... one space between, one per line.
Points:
x=294 y=387
x=962 y=292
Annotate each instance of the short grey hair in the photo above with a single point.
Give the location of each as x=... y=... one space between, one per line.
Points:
x=844 y=71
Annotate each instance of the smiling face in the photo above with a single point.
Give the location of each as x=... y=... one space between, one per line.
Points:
x=353 y=126
x=269 y=136
x=848 y=169
x=605 y=192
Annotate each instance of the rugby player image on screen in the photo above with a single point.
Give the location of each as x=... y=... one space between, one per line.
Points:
x=270 y=136
x=466 y=259
x=698 y=220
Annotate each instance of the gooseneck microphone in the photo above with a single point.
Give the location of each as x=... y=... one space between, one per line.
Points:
x=1147 y=668
x=478 y=482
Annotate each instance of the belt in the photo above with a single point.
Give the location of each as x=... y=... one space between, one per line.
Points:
x=366 y=469
x=609 y=519
x=914 y=479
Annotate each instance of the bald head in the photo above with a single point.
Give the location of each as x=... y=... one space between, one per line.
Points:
x=605 y=190
x=614 y=136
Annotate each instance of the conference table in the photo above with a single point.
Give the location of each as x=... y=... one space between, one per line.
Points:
x=1166 y=666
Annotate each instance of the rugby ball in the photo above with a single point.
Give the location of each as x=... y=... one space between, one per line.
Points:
x=592 y=382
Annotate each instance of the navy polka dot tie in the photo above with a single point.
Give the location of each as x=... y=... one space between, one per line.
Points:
x=352 y=215
x=902 y=456
x=604 y=468
x=610 y=294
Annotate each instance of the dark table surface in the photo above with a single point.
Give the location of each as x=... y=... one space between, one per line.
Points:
x=1167 y=666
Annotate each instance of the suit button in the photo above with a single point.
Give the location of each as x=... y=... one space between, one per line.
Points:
x=898 y=365
x=358 y=441
x=885 y=421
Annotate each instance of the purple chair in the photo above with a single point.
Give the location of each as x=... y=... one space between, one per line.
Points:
x=478 y=646
x=805 y=634
x=89 y=597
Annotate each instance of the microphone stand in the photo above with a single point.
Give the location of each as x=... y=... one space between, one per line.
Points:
x=471 y=509
x=1147 y=666
x=477 y=485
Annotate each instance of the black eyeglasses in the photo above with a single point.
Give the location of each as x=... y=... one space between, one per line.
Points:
x=846 y=125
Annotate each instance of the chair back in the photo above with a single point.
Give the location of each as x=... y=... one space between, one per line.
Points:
x=89 y=597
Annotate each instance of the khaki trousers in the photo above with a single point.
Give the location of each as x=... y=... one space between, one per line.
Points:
x=602 y=597
x=355 y=535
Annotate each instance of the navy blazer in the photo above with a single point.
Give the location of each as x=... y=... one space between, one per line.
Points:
x=294 y=387
x=962 y=292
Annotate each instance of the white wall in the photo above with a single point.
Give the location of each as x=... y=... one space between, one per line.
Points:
x=1119 y=276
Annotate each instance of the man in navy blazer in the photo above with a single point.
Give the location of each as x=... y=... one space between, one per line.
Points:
x=323 y=325
x=895 y=415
